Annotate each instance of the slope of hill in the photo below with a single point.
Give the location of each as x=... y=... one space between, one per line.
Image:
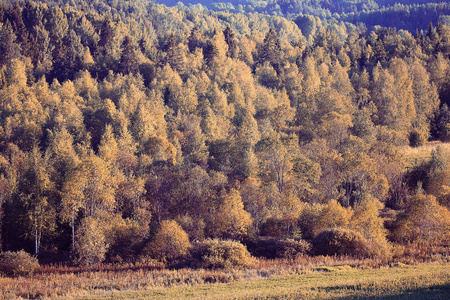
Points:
x=132 y=131
x=408 y=15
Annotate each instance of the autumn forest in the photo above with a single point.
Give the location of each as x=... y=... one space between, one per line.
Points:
x=134 y=131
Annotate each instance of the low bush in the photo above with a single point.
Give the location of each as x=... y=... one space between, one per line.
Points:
x=417 y=138
x=339 y=241
x=280 y=228
x=18 y=263
x=170 y=242
x=292 y=248
x=262 y=247
x=215 y=253
x=277 y=248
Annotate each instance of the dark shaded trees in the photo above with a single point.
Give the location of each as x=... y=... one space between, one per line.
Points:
x=128 y=61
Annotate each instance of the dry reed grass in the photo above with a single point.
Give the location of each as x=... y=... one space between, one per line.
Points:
x=70 y=282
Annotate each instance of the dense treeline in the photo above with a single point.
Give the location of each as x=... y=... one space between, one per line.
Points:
x=409 y=15
x=124 y=123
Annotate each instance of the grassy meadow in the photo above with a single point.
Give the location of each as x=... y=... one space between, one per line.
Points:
x=424 y=281
x=418 y=272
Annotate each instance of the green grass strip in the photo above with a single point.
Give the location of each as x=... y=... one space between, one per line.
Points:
x=423 y=281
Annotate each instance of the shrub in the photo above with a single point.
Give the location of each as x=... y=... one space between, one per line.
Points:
x=339 y=241
x=18 y=263
x=277 y=248
x=334 y=215
x=292 y=248
x=262 y=247
x=281 y=228
x=170 y=242
x=317 y=218
x=124 y=237
x=309 y=219
x=215 y=253
x=417 y=138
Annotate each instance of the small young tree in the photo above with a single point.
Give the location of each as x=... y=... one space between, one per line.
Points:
x=444 y=197
x=169 y=243
x=90 y=243
x=424 y=221
x=308 y=219
x=416 y=138
x=231 y=221
x=333 y=215
x=368 y=222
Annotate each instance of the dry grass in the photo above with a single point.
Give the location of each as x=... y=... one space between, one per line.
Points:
x=426 y=281
x=68 y=282
x=413 y=155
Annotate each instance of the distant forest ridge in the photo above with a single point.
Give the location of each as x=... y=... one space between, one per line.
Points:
x=407 y=15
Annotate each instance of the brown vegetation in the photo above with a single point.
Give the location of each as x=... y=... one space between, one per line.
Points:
x=62 y=281
x=152 y=137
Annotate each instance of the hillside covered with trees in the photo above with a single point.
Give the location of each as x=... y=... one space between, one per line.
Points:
x=129 y=129
x=408 y=15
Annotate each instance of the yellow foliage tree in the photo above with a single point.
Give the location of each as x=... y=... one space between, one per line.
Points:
x=367 y=221
x=333 y=215
x=89 y=188
x=99 y=187
x=90 y=242
x=72 y=197
x=424 y=221
x=254 y=201
x=170 y=242
x=231 y=221
x=108 y=148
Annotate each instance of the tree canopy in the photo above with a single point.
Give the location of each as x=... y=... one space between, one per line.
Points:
x=126 y=122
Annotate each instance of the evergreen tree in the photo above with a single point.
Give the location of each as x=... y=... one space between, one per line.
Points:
x=271 y=49
x=9 y=49
x=174 y=54
x=231 y=41
x=128 y=61
x=195 y=40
